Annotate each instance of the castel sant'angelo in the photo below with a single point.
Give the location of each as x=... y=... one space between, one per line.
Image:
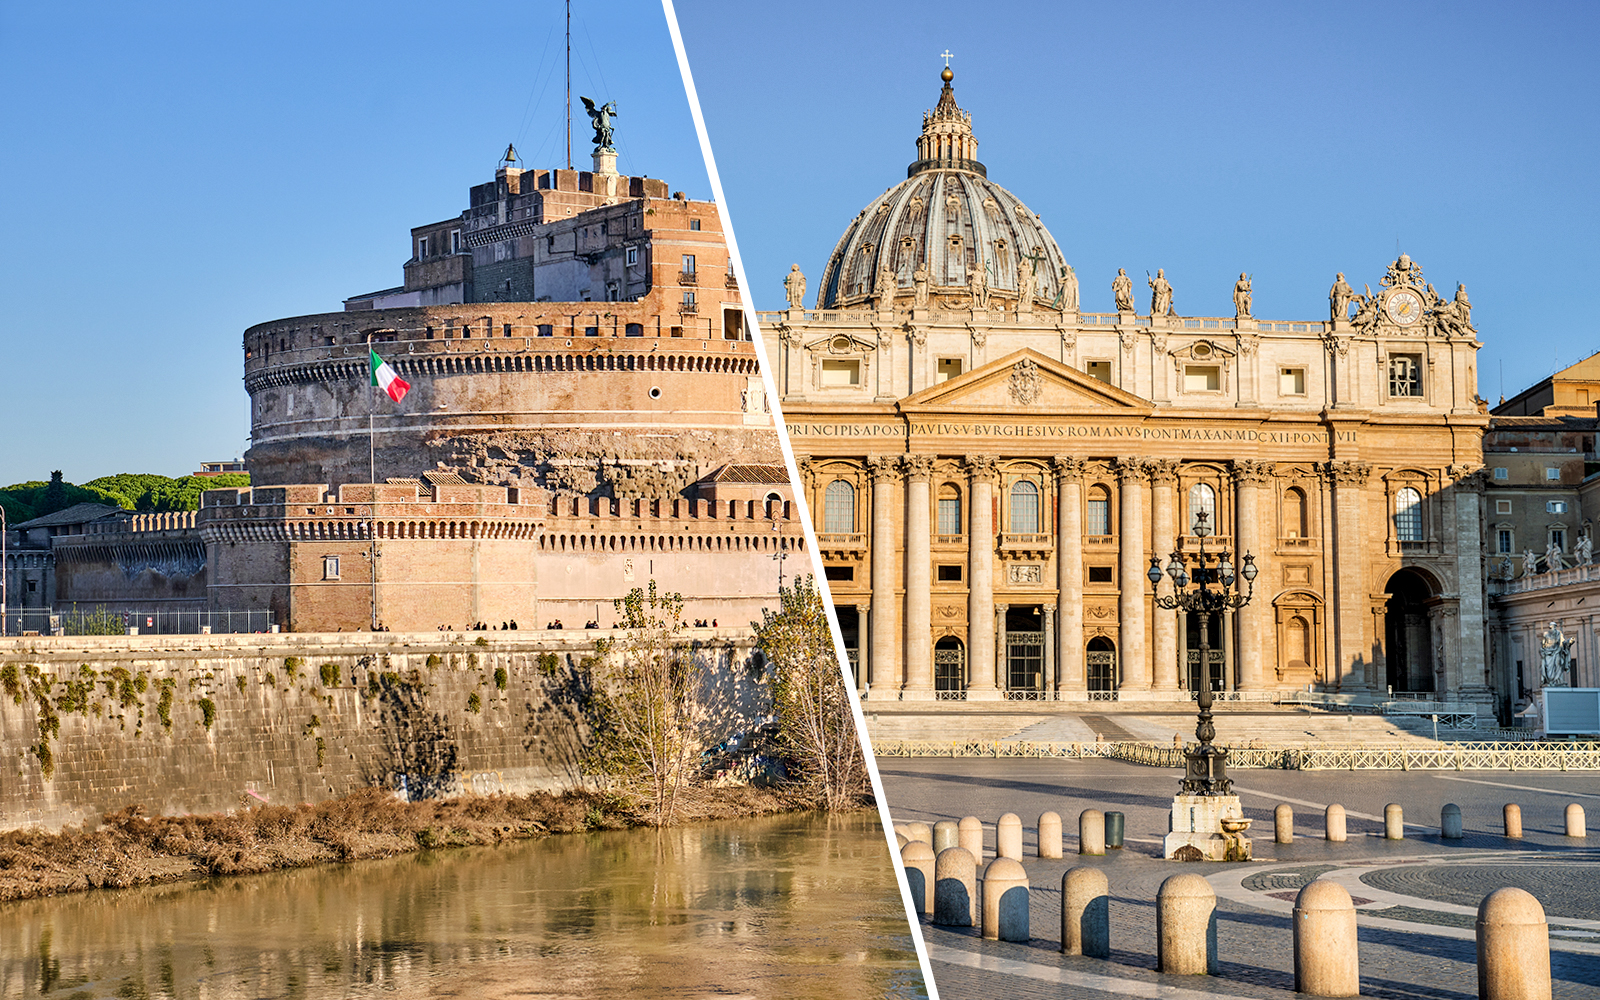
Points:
x=586 y=414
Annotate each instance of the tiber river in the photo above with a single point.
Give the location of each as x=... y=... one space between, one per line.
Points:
x=795 y=906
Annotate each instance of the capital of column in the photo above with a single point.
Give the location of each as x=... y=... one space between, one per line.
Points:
x=1133 y=470
x=808 y=471
x=884 y=468
x=982 y=468
x=1469 y=478
x=1049 y=611
x=1164 y=471
x=917 y=468
x=1068 y=466
x=1247 y=472
x=1345 y=473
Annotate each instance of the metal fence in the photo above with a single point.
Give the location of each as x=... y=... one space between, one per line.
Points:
x=1498 y=756
x=99 y=620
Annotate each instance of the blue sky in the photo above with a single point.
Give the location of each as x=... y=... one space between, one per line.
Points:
x=176 y=172
x=1287 y=140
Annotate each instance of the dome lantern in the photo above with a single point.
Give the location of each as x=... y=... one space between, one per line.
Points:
x=946 y=142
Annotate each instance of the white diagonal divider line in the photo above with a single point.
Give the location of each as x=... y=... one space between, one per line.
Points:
x=802 y=509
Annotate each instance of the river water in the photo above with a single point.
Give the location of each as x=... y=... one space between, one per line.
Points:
x=800 y=906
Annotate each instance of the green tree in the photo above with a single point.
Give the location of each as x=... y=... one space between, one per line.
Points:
x=816 y=726
x=646 y=705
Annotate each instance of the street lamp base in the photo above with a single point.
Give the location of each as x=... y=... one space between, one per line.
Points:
x=1208 y=828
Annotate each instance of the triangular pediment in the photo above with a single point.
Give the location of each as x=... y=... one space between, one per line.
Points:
x=1026 y=381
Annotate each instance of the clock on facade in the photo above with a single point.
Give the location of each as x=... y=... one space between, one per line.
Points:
x=1404 y=308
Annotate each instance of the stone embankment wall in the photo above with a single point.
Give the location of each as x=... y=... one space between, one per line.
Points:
x=200 y=724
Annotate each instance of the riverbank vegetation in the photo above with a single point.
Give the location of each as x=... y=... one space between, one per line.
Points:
x=129 y=848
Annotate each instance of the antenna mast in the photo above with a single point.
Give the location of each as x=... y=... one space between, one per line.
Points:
x=568 y=84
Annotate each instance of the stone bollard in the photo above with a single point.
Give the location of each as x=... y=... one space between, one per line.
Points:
x=1325 y=963
x=1394 y=828
x=1049 y=835
x=1008 y=837
x=1283 y=823
x=1186 y=927
x=1513 y=818
x=1005 y=901
x=903 y=830
x=944 y=835
x=969 y=833
x=1085 y=913
x=1333 y=823
x=900 y=840
x=920 y=831
x=955 y=888
x=1450 y=821
x=917 y=859
x=1575 y=825
x=1091 y=832
x=1513 y=947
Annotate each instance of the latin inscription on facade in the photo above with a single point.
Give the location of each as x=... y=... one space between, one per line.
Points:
x=1065 y=431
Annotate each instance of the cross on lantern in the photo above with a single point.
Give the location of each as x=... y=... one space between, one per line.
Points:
x=947 y=55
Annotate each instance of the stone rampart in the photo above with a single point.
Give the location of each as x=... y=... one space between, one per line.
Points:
x=200 y=724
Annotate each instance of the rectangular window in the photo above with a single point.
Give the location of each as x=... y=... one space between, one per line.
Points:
x=949 y=368
x=949 y=515
x=1502 y=506
x=455 y=241
x=950 y=573
x=1100 y=574
x=839 y=572
x=1552 y=474
x=1291 y=381
x=688 y=263
x=505 y=330
x=634 y=330
x=694 y=225
x=633 y=256
x=422 y=247
x=1202 y=378
x=674 y=331
x=1555 y=507
x=688 y=302
x=330 y=567
x=1505 y=541
x=1099 y=369
x=1558 y=538
x=841 y=373
x=591 y=331
x=1502 y=474
x=1097 y=520
x=1405 y=375
x=547 y=330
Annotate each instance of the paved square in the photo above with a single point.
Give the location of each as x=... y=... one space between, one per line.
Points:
x=1417 y=898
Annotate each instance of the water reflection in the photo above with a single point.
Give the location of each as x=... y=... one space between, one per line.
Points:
x=793 y=906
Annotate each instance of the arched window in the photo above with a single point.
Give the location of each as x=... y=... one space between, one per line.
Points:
x=1294 y=513
x=1024 y=508
x=1202 y=499
x=1408 y=515
x=949 y=510
x=839 y=508
x=1097 y=519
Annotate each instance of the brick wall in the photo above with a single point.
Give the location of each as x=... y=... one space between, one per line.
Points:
x=303 y=718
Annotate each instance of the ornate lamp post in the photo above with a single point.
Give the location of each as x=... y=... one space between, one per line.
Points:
x=1209 y=590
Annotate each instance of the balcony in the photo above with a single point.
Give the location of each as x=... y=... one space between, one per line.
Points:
x=687 y=278
x=1015 y=545
x=689 y=308
x=842 y=545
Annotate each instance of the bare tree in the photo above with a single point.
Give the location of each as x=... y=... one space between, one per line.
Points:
x=646 y=701
x=816 y=726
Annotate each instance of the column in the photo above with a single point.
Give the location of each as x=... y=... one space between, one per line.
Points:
x=1050 y=682
x=1228 y=620
x=1132 y=473
x=1000 y=646
x=980 y=577
x=919 y=583
x=1164 y=526
x=863 y=640
x=885 y=575
x=1248 y=478
x=1471 y=667
x=1069 y=574
x=1349 y=595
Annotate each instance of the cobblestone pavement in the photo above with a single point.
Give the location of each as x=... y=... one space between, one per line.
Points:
x=1417 y=897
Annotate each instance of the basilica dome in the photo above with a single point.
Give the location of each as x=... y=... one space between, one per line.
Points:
x=950 y=219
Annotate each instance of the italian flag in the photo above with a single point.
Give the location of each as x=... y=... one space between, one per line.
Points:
x=385 y=377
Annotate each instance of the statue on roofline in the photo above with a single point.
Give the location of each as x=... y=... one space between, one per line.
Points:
x=601 y=117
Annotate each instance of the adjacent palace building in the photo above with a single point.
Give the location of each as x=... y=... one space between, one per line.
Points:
x=994 y=470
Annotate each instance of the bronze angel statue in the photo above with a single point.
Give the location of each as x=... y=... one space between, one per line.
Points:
x=601 y=117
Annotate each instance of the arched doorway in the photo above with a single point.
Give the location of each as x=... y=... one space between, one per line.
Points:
x=1408 y=640
x=949 y=666
x=1100 y=657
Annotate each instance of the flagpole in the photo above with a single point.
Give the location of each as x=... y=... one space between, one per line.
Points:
x=372 y=478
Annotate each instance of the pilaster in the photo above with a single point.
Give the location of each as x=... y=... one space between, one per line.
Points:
x=885 y=474
x=981 y=472
x=1132 y=474
x=918 y=575
x=1069 y=574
